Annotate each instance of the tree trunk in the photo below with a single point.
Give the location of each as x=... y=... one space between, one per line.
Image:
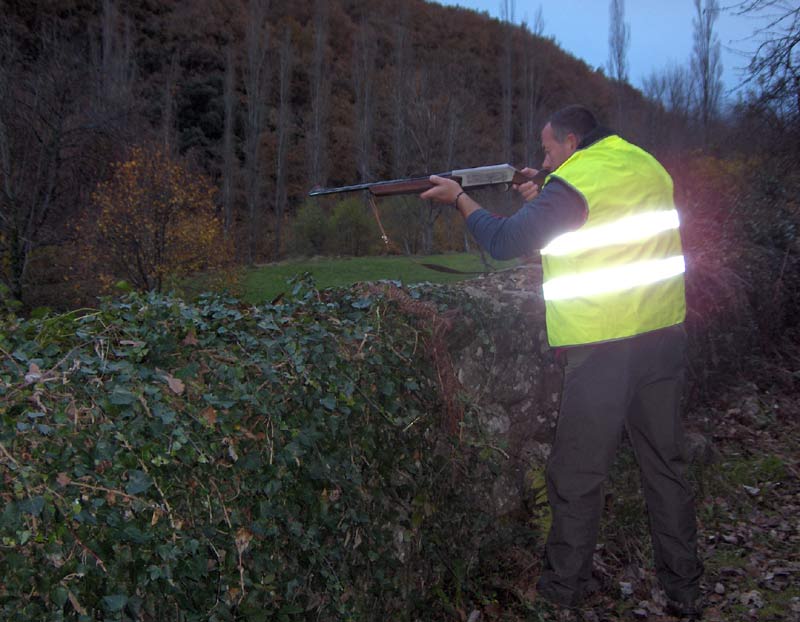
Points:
x=706 y=64
x=284 y=130
x=364 y=53
x=228 y=154
x=256 y=89
x=507 y=14
x=317 y=142
x=619 y=36
x=168 y=118
x=400 y=94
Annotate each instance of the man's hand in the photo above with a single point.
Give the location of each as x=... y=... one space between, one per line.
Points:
x=444 y=190
x=528 y=190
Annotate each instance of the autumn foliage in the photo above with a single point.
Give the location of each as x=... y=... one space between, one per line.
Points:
x=156 y=220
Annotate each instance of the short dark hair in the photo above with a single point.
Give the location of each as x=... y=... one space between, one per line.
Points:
x=575 y=119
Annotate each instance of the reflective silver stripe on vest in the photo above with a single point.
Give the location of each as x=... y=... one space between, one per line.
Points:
x=623 y=231
x=614 y=279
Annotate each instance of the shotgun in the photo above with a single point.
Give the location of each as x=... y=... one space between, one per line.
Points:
x=468 y=178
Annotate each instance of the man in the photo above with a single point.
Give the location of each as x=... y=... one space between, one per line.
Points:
x=607 y=229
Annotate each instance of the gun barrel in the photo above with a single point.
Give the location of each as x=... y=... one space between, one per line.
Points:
x=384 y=188
x=412 y=185
x=482 y=176
x=320 y=191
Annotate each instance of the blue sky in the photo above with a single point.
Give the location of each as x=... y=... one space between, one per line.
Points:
x=661 y=32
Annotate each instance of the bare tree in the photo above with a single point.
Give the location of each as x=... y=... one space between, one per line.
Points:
x=435 y=121
x=507 y=75
x=400 y=93
x=671 y=87
x=113 y=67
x=775 y=65
x=538 y=23
x=317 y=141
x=706 y=63
x=9 y=221
x=168 y=114
x=654 y=87
x=534 y=92
x=118 y=68
x=284 y=131
x=256 y=70
x=619 y=38
x=364 y=54
x=49 y=131
x=228 y=153
x=678 y=91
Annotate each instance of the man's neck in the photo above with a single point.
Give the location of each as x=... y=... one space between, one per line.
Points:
x=596 y=134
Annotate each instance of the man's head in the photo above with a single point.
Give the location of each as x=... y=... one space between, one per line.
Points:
x=563 y=132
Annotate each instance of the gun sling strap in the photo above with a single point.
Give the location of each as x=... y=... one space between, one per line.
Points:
x=391 y=245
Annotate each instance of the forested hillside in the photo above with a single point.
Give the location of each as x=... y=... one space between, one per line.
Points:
x=245 y=106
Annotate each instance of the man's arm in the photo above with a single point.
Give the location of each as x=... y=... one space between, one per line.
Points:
x=557 y=209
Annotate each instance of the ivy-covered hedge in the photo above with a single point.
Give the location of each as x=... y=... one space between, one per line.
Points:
x=216 y=461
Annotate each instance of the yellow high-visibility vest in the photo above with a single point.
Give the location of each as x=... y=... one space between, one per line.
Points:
x=621 y=273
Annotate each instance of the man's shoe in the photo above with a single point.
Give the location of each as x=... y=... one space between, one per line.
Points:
x=686 y=610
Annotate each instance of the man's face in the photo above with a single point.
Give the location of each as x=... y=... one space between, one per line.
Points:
x=556 y=153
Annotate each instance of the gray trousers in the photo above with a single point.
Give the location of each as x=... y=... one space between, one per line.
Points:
x=636 y=383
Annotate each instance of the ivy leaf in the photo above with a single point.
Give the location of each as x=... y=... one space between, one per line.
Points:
x=32 y=505
x=114 y=602
x=138 y=481
x=59 y=595
x=328 y=402
x=121 y=397
x=362 y=303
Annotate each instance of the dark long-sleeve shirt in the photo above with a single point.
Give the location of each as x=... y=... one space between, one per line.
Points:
x=558 y=208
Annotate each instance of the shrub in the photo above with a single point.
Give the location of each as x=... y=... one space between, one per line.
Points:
x=353 y=228
x=157 y=221
x=741 y=276
x=216 y=461
x=310 y=230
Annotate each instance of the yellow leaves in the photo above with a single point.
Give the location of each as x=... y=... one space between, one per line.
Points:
x=157 y=219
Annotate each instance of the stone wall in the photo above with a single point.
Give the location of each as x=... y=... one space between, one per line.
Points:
x=499 y=350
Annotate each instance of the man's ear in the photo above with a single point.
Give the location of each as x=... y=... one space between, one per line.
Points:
x=573 y=142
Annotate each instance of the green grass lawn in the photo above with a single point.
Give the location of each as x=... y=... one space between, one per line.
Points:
x=266 y=282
